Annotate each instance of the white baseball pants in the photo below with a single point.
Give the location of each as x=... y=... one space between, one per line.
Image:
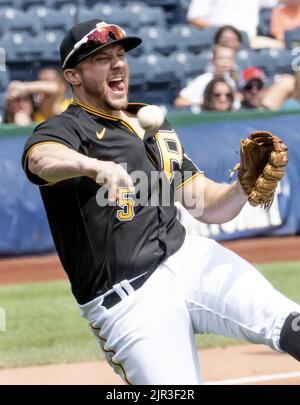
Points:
x=148 y=337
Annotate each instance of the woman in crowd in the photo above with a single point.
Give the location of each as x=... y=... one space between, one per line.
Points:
x=48 y=93
x=18 y=108
x=218 y=96
x=229 y=36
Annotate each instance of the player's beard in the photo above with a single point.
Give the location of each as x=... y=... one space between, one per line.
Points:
x=101 y=95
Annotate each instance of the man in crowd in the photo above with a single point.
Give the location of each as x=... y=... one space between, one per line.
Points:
x=222 y=64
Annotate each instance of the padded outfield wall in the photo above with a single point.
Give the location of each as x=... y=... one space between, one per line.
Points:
x=211 y=140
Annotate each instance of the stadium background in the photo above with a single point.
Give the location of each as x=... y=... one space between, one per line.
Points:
x=41 y=320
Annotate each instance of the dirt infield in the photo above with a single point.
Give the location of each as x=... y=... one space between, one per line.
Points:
x=246 y=364
x=48 y=267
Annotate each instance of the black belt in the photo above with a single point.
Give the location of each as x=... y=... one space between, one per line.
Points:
x=113 y=298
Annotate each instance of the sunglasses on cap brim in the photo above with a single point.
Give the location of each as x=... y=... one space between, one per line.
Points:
x=98 y=36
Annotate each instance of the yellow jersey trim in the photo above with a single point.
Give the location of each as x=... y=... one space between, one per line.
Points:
x=190 y=180
x=106 y=116
x=152 y=160
x=95 y=112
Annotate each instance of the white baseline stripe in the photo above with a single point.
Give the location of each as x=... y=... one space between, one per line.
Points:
x=258 y=378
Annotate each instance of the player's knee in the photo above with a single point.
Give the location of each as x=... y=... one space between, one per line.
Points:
x=290 y=335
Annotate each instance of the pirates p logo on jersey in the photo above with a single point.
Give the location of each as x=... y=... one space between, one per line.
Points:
x=170 y=151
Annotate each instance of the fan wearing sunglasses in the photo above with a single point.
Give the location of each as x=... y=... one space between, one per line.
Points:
x=109 y=187
x=218 y=96
x=253 y=80
x=255 y=93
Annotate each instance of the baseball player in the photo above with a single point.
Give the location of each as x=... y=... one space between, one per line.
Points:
x=144 y=285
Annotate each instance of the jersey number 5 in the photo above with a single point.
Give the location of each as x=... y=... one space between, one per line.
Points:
x=126 y=204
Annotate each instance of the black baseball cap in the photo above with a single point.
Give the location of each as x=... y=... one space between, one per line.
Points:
x=75 y=47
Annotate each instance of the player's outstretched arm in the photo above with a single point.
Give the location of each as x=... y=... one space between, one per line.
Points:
x=213 y=203
x=54 y=162
x=222 y=202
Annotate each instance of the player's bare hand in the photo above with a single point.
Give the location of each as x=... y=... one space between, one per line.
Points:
x=113 y=177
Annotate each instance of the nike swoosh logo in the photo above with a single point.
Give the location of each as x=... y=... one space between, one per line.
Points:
x=100 y=135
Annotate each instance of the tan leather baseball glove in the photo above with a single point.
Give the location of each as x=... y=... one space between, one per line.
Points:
x=263 y=158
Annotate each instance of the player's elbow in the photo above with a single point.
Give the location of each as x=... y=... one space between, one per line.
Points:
x=38 y=162
x=34 y=162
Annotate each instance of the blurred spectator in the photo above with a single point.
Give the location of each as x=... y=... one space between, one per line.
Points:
x=252 y=86
x=244 y=15
x=255 y=93
x=285 y=17
x=223 y=64
x=284 y=93
x=49 y=93
x=18 y=109
x=218 y=96
x=52 y=100
x=293 y=102
x=229 y=36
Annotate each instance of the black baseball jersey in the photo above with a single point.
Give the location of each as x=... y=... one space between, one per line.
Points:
x=101 y=245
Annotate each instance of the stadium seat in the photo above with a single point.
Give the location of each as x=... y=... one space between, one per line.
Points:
x=49 y=45
x=264 y=22
x=9 y=3
x=23 y=22
x=86 y=14
x=245 y=40
x=124 y=17
x=189 y=38
x=244 y=59
x=137 y=7
x=50 y=19
x=138 y=83
x=4 y=79
x=170 y=8
x=92 y=3
x=17 y=46
x=58 y=4
x=106 y=10
x=187 y=65
x=292 y=38
x=70 y=10
x=137 y=72
x=6 y=44
x=26 y=4
x=157 y=39
x=181 y=11
x=102 y=12
x=148 y=16
x=2 y=59
x=2 y=97
x=162 y=82
x=24 y=71
x=17 y=20
x=267 y=59
x=286 y=58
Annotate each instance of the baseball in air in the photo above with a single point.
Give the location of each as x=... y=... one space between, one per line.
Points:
x=151 y=116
